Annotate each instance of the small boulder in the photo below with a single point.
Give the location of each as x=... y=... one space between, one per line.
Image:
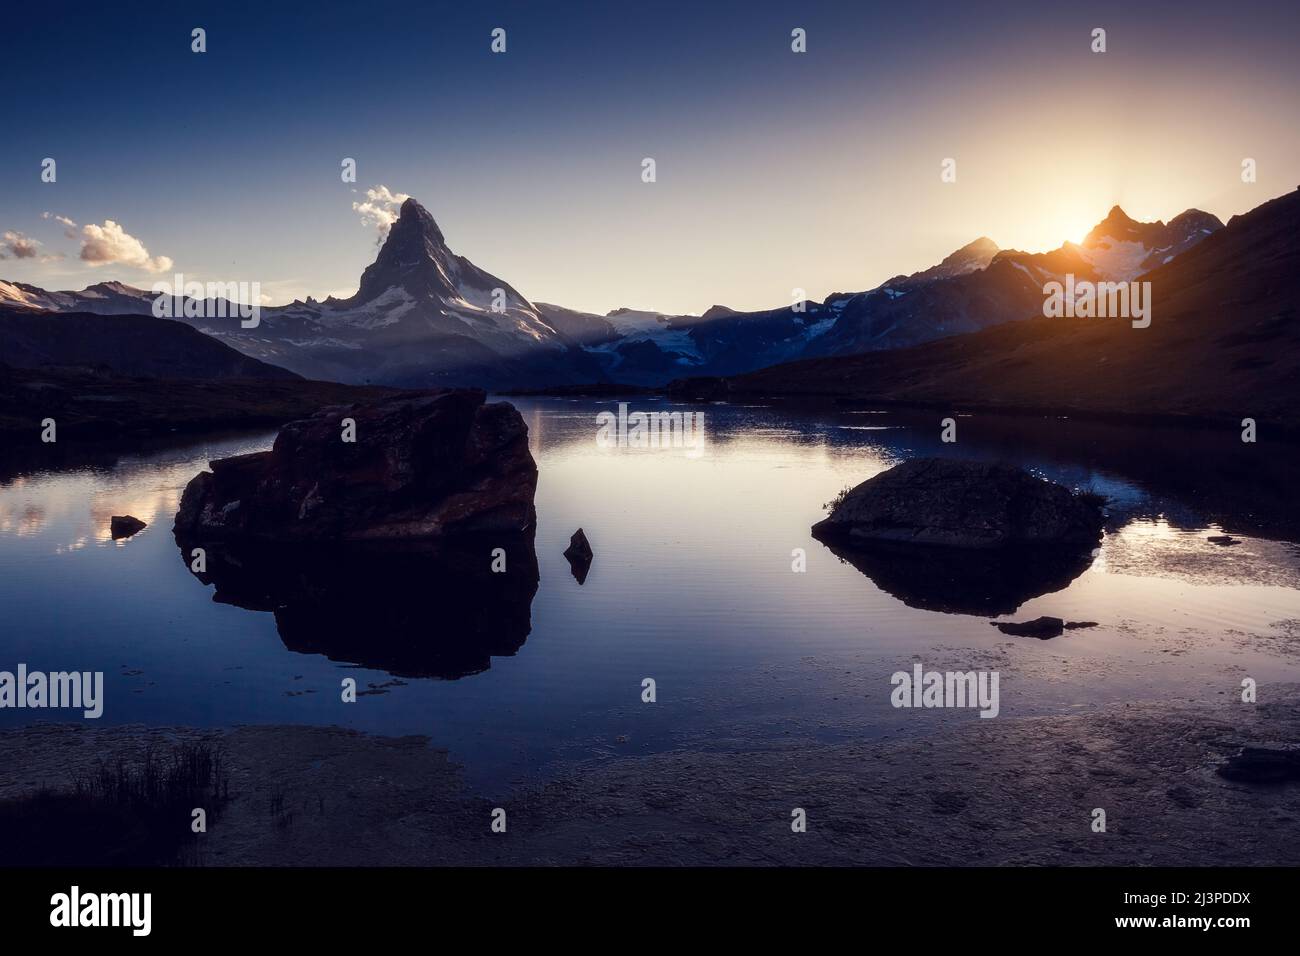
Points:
x=1223 y=540
x=123 y=526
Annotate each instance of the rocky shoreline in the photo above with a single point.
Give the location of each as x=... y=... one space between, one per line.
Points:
x=1018 y=791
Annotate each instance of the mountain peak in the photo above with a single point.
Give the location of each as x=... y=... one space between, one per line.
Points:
x=414 y=257
x=113 y=286
x=982 y=250
x=1190 y=219
x=971 y=257
x=413 y=220
x=1119 y=225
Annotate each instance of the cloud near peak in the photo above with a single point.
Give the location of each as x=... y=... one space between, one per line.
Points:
x=110 y=243
x=381 y=208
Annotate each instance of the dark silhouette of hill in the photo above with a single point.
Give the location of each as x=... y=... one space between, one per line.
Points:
x=135 y=346
x=88 y=405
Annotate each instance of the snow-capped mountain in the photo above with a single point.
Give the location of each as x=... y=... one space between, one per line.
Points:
x=1121 y=249
x=979 y=285
x=1224 y=338
x=422 y=316
x=971 y=257
x=104 y=298
x=425 y=316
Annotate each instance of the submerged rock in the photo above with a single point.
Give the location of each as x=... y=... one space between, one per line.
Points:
x=423 y=466
x=579 y=555
x=123 y=526
x=962 y=504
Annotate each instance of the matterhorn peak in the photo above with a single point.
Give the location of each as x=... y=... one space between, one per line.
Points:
x=413 y=220
x=414 y=257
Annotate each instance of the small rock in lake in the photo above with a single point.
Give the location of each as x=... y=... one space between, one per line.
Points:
x=1223 y=540
x=1075 y=625
x=579 y=555
x=123 y=526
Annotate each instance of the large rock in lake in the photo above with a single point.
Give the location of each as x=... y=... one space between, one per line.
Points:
x=424 y=466
x=962 y=504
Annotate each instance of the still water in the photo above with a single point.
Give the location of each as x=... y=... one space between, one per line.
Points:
x=692 y=585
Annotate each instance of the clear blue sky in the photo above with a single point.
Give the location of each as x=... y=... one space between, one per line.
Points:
x=775 y=170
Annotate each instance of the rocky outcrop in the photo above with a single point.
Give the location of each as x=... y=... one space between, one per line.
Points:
x=424 y=466
x=962 y=504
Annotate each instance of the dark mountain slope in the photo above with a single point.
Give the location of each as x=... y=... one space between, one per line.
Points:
x=87 y=405
x=138 y=346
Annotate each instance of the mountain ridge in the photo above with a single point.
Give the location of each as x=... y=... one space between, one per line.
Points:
x=1223 y=344
x=424 y=316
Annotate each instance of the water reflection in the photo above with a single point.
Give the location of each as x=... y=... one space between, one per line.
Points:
x=411 y=610
x=692 y=584
x=955 y=581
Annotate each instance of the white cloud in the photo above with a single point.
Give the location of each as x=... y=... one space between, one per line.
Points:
x=380 y=209
x=69 y=227
x=14 y=245
x=110 y=243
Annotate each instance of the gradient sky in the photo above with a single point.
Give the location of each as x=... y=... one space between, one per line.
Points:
x=775 y=170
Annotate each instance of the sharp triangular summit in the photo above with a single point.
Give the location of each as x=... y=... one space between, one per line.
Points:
x=414 y=257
